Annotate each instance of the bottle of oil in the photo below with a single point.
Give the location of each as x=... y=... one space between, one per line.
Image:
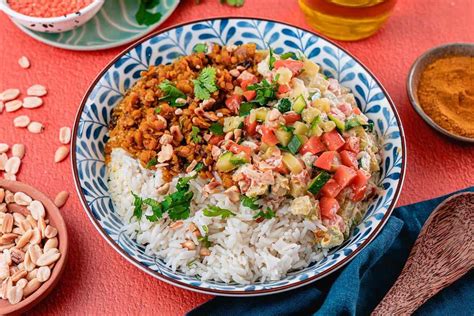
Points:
x=347 y=20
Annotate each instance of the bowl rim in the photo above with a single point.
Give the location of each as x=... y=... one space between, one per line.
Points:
x=416 y=68
x=58 y=270
x=55 y=19
x=217 y=292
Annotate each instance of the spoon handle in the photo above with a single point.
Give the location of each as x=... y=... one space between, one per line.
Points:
x=442 y=253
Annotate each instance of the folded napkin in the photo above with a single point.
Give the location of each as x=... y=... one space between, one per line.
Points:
x=357 y=288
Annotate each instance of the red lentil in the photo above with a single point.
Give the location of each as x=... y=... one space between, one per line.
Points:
x=47 y=8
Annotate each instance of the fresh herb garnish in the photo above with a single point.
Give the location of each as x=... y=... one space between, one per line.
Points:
x=214 y=211
x=138 y=206
x=267 y=215
x=205 y=84
x=266 y=91
x=152 y=162
x=288 y=129
x=284 y=105
x=249 y=202
x=157 y=110
x=195 y=135
x=199 y=167
x=216 y=129
x=271 y=59
x=200 y=48
x=245 y=108
x=205 y=241
x=171 y=93
x=156 y=209
x=144 y=16
x=233 y=3
x=289 y=55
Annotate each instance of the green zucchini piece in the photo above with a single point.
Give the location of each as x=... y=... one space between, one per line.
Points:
x=317 y=184
x=295 y=144
x=339 y=123
x=224 y=163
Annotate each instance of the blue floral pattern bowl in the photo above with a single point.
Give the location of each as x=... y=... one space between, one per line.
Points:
x=90 y=135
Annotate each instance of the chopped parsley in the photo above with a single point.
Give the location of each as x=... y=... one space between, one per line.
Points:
x=289 y=55
x=171 y=93
x=216 y=129
x=158 y=110
x=271 y=59
x=214 y=211
x=205 y=84
x=249 y=202
x=267 y=215
x=284 y=105
x=200 y=48
x=205 y=239
x=152 y=162
x=144 y=16
x=266 y=91
x=199 y=167
x=288 y=129
x=195 y=134
x=245 y=108
x=176 y=204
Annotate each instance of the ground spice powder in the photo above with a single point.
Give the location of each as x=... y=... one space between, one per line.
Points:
x=446 y=94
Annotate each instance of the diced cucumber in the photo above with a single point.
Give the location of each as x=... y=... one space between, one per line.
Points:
x=283 y=136
x=261 y=114
x=299 y=104
x=295 y=144
x=316 y=185
x=316 y=130
x=224 y=163
x=358 y=120
x=239 y=159
x=292 y=163
x=300 y=128
x=339 y=123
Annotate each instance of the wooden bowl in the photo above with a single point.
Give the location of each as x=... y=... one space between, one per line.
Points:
x=55 y=218
x=452 y=49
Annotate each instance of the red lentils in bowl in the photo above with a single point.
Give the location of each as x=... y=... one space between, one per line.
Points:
x=47 y=8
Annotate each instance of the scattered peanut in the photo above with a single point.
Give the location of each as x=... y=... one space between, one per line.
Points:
x=12 y=165
x=64 y=135
x=24 y=62
x=21 y=121
x=61 y=199
x=12 y=106
x=3 y=161
x=18 y=150
x=61 y=154
x=4 y=148
x=35 y=127
x=2 y=106
x=9 y=94
x=32 y=102
x=36 y=90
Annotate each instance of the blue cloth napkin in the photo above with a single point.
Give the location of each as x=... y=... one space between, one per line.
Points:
x=357 y=288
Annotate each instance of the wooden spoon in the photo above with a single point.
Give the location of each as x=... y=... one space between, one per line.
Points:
x=443 y=252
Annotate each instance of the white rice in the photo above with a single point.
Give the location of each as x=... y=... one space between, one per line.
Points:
x=242 y=250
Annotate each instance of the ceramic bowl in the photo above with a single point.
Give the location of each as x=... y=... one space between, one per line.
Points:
x=54 y=24
x=452 y=49
x=55 y=218
x=108 y=89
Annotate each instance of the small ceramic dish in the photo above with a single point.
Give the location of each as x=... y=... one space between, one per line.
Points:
x=55 y=218
x=452 y=49
x=55 y=24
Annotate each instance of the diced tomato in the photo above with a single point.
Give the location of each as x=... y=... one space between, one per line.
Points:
x=329 y=207
x=294 y=65
x=348 y=158
x=329 y=160
x=216 y=139
x=359 y=185
x=237 y=149
x=356 y=111
x=331 y=188
x=233 y=103
x=291 y=117
x=246 y=78
x=313 y=145
x=268 y=136
x=250 y=127
x=333 y=140
x=249 y=95
x=352 y=144
x=283 y=88
x=281 y=169
x=344 y=176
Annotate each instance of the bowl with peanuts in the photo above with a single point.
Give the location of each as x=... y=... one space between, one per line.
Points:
x=33 y=246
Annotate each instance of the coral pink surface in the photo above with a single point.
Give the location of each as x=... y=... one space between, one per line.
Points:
x=47 y=8
x=97 y=280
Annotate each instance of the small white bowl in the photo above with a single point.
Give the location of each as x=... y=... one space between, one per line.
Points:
x=54 y=24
